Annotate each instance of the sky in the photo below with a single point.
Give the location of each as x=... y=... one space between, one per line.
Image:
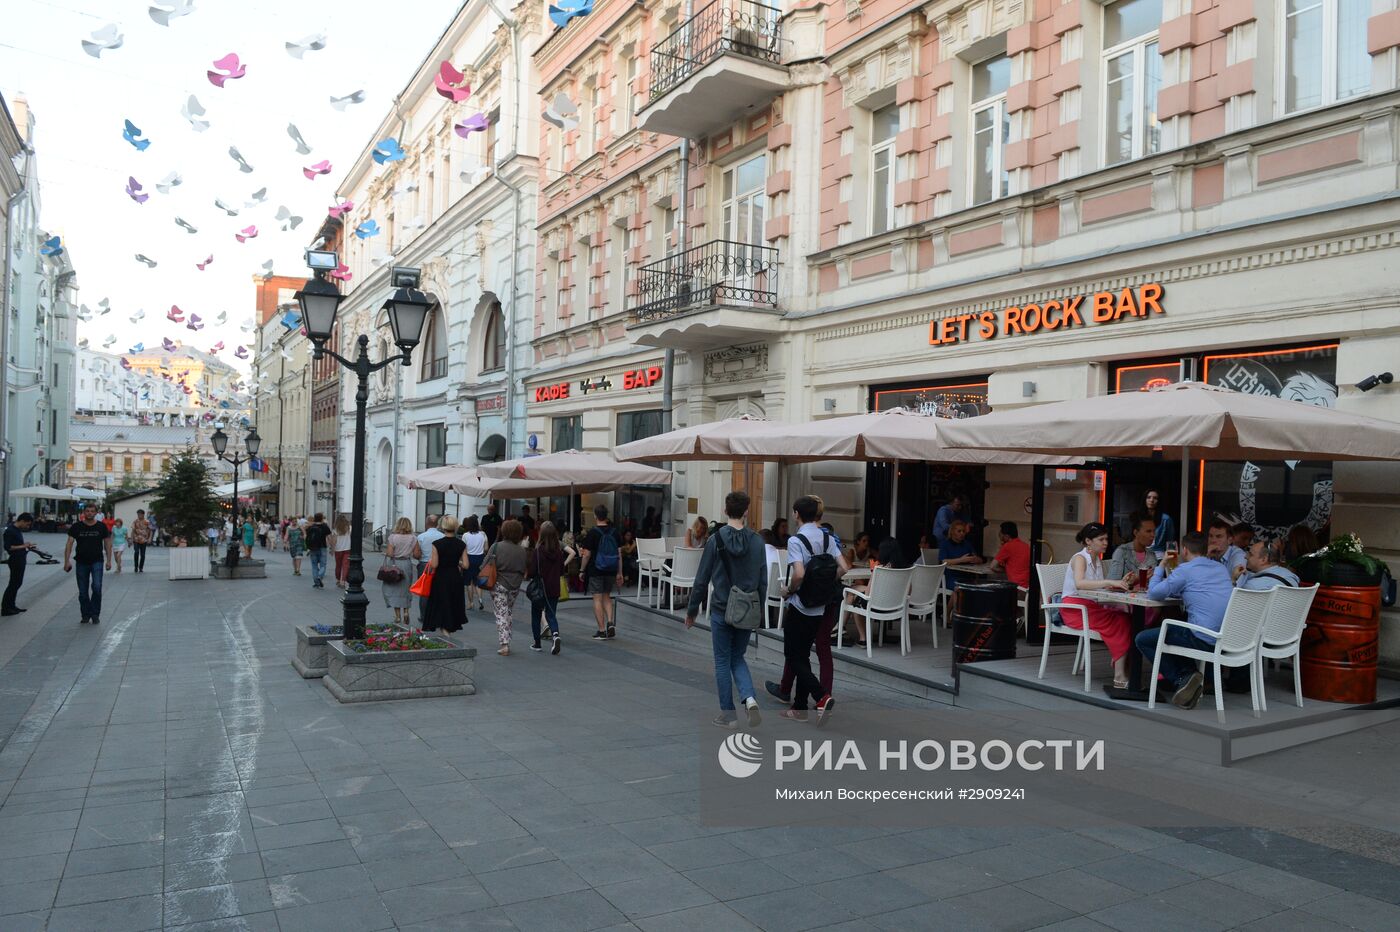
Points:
x=80 y=104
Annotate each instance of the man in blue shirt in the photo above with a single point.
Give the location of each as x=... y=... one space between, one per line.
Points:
x=956 y=550
x=955 y=510
x=1261 y=572
x=1222 y=550
x=1204 y=587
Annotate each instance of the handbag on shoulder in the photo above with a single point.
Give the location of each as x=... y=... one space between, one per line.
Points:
x=534 y=589
x=423 y=585
x=487 y=580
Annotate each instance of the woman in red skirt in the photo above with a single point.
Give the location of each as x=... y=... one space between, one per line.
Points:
x=1086 y=572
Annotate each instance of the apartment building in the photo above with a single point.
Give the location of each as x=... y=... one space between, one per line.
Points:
x=461 y=208
x=281 y=387
x=325 y=404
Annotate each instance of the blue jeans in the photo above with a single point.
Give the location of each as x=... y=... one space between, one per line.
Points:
x=89 y=576
x=547 y=608
x=1175 y=668
x=729 y=646
x=318 y=564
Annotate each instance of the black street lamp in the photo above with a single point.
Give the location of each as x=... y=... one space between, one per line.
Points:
x=408 y=309
x=251 y=443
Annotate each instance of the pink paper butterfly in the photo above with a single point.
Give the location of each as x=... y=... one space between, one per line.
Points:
x=232 y=68
x=175 y=314
x=322 y=167
x=201 y=265
x=246 y=234
x=342 y=273
x=452 y=84
x=340 y=210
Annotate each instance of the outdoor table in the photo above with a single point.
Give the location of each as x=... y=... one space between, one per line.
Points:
x=857 y=574
x=1139 y=602
x=974 y=569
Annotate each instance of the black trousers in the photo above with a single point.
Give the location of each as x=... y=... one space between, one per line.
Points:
x=12 y=588
x=799 y=632
x=138 y=557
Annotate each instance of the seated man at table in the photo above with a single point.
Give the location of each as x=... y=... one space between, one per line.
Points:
x=1261 y=572
x=1014 y=557
x=1137 y=553
x=1222 y=550
x=1203 y=586
x=956 y=550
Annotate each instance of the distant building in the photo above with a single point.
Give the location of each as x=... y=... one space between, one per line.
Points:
x=37 y=327
x=108 y=393
x=106 y=456
x=281 y=384
x=325 y=406
x=213 y=384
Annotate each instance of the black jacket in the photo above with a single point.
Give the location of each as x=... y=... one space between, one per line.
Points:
x=744 y=554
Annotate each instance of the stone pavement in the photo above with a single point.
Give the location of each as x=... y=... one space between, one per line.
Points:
x=169 y=769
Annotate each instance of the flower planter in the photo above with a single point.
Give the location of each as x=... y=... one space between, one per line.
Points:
x=411 y=674
x=189 y=562
x=310 y=660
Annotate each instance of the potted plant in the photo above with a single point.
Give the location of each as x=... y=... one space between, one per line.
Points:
x=1343 y=562
x=184 y=499
x=1340 y=646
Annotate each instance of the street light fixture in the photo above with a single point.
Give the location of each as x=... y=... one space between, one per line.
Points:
x=408 y=309
x=251 y=444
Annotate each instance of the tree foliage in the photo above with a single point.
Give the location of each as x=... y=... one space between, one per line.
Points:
x=184 y=502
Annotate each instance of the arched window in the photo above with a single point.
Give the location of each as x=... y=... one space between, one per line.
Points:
x=493 y=355
x=433 y=348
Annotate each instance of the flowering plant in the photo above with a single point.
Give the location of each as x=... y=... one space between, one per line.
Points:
x=337 y=629
x=404 y=640
x=1343 y=549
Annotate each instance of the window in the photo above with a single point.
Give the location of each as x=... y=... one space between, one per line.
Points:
x=106 y=464
x=434 y=349
x=638 y=425
x=1324 y=52
x=668 y=229
x=884 y=126
x=492 y=121
x=567 y=432
x=145 y=464
x=127 y=464
x=384 y=351
x=745 y=202
x=1133 y=76
x=990 y=124
x=88 y=463
x=432 y=451
x=494 y=345
x=595 y=112
x=629 y=96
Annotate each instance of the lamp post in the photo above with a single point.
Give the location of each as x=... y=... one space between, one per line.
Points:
x=251 y=443
x=408 y=309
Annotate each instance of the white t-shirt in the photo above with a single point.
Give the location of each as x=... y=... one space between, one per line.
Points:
x=342 y=542
x=798 y=554
x=476 y=543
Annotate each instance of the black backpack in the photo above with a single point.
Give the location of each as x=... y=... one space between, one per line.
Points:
x=821 y=578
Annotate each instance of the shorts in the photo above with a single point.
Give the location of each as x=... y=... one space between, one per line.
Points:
x=600 y=585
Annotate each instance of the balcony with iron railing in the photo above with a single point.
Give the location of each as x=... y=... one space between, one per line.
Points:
x=714 y=294
x=724 y=61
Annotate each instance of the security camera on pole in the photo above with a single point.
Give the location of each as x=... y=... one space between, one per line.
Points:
x=408 y=309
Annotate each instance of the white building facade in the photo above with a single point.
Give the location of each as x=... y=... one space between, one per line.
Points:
x=462 y=211
x=107 y=392
x=282 y=386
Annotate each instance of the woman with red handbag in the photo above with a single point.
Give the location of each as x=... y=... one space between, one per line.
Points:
x=401 y=553
x=447 y=601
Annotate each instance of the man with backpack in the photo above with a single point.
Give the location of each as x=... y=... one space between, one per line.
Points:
x=602 y=570
x=814 y=590
x=735 y=562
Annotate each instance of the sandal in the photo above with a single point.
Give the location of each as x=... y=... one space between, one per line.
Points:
x=504 y=651
x=1117 y=684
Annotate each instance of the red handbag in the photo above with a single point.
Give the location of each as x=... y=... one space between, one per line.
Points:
x=423 y=585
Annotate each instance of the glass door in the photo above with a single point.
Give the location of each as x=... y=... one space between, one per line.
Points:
x=744 y=211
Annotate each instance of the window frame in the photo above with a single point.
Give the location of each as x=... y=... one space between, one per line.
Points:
x=433 y=367
x=1330 y=60
x=996 y=103
x=493 y=341
x=1137 y=48
x=885 y=147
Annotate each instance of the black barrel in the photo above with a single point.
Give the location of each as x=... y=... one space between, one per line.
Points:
x=984 y=622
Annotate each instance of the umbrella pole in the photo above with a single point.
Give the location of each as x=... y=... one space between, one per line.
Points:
x=1185 y=491
x=894 y=496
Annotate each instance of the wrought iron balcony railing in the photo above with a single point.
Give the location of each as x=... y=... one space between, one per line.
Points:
x=743 y=27
x=719 y=272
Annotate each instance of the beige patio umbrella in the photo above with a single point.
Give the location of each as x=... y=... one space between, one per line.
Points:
x=41 y=492
x=1226 y=424
x=896 y=435
x=710 y=441
x=575 y=468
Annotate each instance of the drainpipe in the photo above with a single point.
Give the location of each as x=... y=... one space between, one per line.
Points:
x=513 y=25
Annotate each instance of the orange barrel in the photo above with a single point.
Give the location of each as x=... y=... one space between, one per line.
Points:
x=1341 y=644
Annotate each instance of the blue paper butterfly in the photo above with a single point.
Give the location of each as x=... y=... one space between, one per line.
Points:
x=130 y=133
x=388 y=150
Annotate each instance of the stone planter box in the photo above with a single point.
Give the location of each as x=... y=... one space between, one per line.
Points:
x=411 y=674
x=310 y=660
x=189 y=562
x=246 y=569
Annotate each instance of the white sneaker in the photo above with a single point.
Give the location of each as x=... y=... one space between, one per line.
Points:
x=751 y=707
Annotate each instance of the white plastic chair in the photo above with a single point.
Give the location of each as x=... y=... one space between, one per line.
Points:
x=924 y=592
x=774 y=598
x=685 y=564
x=650 y=560
x=1052 y=582
x=1282 y=636
x=1236 y=644
x=887 y=600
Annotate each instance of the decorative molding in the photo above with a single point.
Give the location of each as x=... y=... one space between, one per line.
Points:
x=736 y=363
x=962 y=24
x=864 y=71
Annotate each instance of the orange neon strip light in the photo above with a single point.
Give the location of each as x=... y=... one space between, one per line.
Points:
x=926 y=388
x=1201 y=495
x=1102 y=475
x=1205 y=372
x=1118 y=377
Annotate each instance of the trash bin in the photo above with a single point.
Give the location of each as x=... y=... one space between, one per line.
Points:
x=984 y=622
x=1341 y=644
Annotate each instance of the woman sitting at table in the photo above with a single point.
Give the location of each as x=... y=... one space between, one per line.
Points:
x=889 y=554
x=956 y=550
x=860 y=553
x=697 y=533
x=1086 y=574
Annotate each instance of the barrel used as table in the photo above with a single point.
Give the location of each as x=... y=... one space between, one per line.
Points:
x=1341 y=644
x=984 y=622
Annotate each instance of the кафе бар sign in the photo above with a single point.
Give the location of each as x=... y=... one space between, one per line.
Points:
x=631 y=379
x=1100 y=307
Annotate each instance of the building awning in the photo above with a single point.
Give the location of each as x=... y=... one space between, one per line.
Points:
x=245 y=487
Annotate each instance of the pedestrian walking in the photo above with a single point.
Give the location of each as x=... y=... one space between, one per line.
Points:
x=119 y=535
x=491 y=523
x=17 y=556
x=92 y=542
x=140 y=538
x=543 y=572
x=296 y=546
x=318 y=536
x=340 y=545
x=401 y=553
x=602 y=571
x=814 y=586
x=509 y=558
x=249 y=532
x=735 y=564
x=425 y=550
x=475 y=540
x=447 y=607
